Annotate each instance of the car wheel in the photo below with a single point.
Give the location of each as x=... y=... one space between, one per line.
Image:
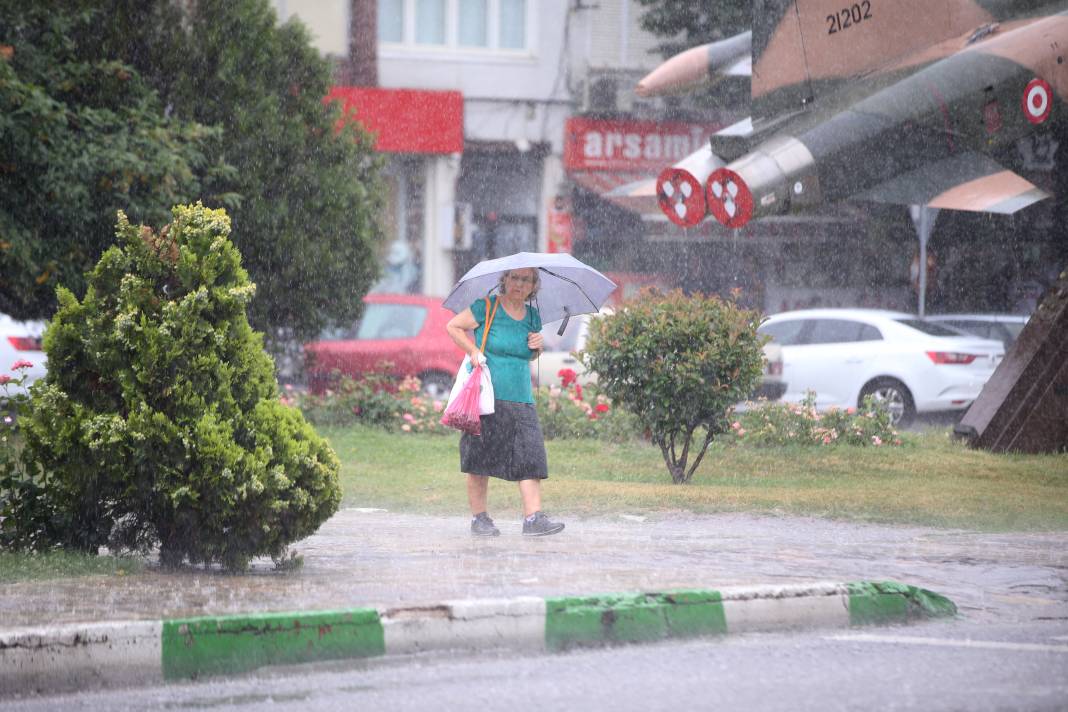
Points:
x=895 y=396
x=437 y=385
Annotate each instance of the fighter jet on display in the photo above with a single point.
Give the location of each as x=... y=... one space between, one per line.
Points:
x=912 y=102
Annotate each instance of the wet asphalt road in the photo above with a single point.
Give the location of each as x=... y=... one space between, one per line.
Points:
x=1011 y=588
x=955 y=665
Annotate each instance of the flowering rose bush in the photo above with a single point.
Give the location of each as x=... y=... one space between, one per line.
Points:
x=370 y=399
x=568 y=412
x=774 y=424
x=377 y=399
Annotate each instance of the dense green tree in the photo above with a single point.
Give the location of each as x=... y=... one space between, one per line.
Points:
x=307 y=223
x=685 y=23
x=82 y=135
x=303 y=194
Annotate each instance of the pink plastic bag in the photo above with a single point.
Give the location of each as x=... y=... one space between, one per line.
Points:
x=464 y=413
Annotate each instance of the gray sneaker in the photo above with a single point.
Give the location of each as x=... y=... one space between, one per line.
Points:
x=541 y=526
x=482 y=525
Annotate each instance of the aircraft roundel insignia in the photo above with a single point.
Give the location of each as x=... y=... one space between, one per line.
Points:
x=1037 y=100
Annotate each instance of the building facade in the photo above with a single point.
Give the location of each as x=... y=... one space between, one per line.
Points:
x=505 y=62
x=513 y=125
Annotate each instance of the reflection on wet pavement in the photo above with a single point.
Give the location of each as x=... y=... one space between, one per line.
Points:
x=370 y=557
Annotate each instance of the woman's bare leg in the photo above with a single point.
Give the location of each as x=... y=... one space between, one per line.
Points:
x=477 y=489
x=530 y=491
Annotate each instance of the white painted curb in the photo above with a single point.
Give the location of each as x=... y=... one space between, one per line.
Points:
x=81 y=655
x=517 y=623
x=55 y=658
x=761 y=608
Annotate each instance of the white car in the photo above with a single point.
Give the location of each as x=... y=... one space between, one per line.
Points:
x=561 y=349
x=1003 y=327
x=913 y=365
x=21 y=341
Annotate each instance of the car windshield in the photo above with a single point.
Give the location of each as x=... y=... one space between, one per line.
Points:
x=381 y=321
x=930 y=328
x=391 y=321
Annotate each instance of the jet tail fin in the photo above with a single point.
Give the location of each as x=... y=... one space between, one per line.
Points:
x=805 y=49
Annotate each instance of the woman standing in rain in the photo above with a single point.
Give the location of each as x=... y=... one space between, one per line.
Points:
x=511 y=446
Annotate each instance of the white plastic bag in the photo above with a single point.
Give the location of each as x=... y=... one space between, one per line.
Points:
x=485 y=395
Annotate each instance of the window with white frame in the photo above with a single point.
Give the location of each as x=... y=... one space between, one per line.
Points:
x=455 y=24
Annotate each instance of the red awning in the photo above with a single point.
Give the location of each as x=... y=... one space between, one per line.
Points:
x=635 y=191
x=406 y=120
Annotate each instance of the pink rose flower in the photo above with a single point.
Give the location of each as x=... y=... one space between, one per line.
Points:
x=21 y=363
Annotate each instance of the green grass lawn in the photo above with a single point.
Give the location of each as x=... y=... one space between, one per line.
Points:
x=929 y=480
x=63 y=564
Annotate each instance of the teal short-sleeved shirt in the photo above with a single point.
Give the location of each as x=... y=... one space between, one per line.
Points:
x=506 y=352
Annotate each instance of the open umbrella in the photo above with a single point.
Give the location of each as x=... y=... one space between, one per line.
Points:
x=568 y=287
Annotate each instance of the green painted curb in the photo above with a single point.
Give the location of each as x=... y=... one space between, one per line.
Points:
x=209 y=646
x=631 y=618
x=873 y=602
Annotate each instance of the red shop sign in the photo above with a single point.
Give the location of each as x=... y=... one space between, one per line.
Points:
x=593 y=144
x=406 y=120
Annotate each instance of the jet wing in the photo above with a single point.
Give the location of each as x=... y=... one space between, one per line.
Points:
x=970 y=181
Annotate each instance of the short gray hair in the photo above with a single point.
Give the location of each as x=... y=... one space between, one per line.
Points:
x=533 y=291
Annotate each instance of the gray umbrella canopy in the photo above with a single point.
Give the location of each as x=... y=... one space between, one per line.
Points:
x=568 y=286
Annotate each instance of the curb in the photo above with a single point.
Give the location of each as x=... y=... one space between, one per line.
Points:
x=147 y=652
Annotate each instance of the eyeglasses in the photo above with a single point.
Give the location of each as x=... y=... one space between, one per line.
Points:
x=520 y=279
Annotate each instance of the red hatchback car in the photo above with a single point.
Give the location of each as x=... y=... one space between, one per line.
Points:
x=407 y=331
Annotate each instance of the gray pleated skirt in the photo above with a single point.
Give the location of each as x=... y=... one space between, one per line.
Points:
x=510 y=447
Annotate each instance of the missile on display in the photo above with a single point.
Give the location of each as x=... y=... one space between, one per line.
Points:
x=680 y=189
x=699 y=66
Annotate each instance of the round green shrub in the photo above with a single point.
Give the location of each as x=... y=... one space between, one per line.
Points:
x=159 y=422
x=679 y=363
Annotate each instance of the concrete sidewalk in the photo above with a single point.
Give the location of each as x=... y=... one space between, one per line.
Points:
x=383 y=559
x=408 y=572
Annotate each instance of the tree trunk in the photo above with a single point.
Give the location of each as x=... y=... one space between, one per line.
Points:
x=676 y=466
x=363 y=43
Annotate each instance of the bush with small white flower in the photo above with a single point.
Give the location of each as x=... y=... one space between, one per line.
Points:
x=159 y=422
